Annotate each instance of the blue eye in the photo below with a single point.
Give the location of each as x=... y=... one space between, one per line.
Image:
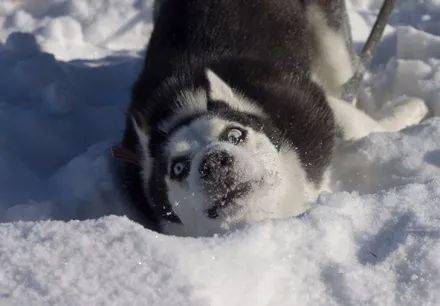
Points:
x=180 y=169
x=235 y=135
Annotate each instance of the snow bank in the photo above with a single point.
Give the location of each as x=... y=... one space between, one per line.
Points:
x=384 y=160
x=58 y=121
x=374 y=240
x=375 y=249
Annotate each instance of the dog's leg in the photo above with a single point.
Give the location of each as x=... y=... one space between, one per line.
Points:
x=411 y=112
x=333 y=57
x=334 y=62
x=356 y=124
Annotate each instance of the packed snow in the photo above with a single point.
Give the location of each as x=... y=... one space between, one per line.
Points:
x=66 y=68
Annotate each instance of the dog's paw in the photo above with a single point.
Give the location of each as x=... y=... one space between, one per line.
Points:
x=408 y=113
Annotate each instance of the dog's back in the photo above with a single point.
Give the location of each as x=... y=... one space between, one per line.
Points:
x=199 y=32
x=296 y=37
x=202 y=30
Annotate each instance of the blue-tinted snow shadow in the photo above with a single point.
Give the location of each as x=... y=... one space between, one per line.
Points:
x=57 y=121
x=385 y=50
x=433 y=158
x=391 y=236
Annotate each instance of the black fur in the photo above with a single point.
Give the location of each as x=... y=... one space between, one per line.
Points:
x=262 y=48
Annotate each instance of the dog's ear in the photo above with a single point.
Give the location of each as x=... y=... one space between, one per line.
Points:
x=134 y=157
x=142 y=131
x=220 y=91
x=143 y=134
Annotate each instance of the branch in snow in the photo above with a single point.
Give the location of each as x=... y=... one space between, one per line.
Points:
x=351 y=88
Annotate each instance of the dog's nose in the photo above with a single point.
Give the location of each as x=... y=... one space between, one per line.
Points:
x=216 y=166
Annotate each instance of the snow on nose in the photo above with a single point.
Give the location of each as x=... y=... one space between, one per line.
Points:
x=216 y=166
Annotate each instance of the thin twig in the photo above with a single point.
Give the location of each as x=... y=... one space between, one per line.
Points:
x=351 y=88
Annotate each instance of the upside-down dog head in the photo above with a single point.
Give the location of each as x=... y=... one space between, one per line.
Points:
x=216 y=161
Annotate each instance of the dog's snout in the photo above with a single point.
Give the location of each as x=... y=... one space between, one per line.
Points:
x=216 y=165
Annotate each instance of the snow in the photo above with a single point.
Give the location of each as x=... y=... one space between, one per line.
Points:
x=351 y=249
x=374 y=239
x=85 y=29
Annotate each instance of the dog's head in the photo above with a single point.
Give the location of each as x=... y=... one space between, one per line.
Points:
x=219 y=162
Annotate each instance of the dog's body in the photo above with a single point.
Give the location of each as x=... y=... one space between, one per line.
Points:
x=236 y=111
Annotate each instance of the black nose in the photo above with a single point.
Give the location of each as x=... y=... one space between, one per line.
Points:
x=216 y=166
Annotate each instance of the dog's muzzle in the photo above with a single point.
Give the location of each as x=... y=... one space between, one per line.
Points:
x=217 y=167
x=221 y=181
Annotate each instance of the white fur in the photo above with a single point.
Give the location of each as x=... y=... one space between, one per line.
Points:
x=146 y=160
x=354 y=122
x=192 y=137
x=282 y=189
x=410 y=112
x=221 y=91
x=332 y=66
x=357 y=124
x=188 y=102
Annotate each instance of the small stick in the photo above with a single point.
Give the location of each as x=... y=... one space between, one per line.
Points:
x=351 y=87
x=130 y=24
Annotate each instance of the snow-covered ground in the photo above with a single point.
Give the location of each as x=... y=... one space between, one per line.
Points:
x=64 y=87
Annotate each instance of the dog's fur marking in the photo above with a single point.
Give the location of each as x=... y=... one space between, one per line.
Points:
x=220 y=91
x=332 y=64
x=146 y=161
x=240 y=104
x=187 y=103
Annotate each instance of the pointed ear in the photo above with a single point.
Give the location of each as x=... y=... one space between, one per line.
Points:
x=218 y=89
x=143 y=136
x=142 y=132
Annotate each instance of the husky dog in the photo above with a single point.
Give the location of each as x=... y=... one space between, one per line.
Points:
x=235 y=114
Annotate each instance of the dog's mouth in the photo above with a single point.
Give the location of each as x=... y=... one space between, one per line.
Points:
x=228 y=199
